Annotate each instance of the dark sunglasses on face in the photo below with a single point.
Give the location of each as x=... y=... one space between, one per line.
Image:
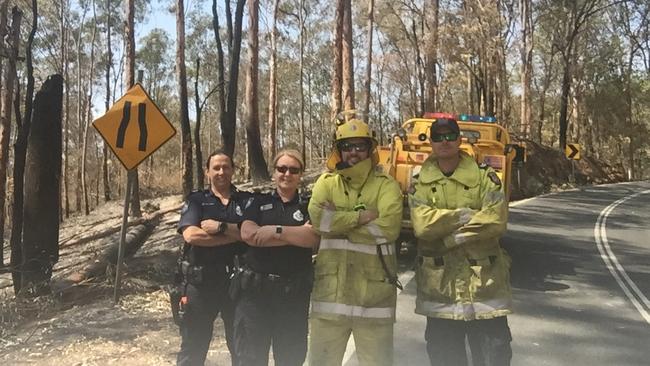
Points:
x=283 y=169
x=452 y=136
x=358 y=147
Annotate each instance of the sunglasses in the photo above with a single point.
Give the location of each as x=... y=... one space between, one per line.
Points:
x=452 y=136
x=283 y=169
x=358 y=147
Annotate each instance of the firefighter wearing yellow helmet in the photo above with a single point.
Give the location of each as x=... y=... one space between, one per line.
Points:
x=357 y=210
x=458 y=212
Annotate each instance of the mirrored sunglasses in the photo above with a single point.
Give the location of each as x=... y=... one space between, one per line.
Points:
x=358 y=147
x=292 y=169
x=452 y=136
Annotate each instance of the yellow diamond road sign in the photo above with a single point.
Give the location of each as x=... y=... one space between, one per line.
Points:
x=572 y=151
x=134 y=127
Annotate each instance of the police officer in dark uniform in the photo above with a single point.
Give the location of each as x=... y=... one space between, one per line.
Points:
x=276 y=284
x=208 y=224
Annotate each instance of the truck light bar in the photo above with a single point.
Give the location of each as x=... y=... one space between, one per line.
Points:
x=476 y=118
x=436 y=115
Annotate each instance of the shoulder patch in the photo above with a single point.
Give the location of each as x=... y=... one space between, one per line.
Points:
x=185 y=207
x=494 y=178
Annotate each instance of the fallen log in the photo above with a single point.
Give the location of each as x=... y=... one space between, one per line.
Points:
x=135 y=237
x=116 y=229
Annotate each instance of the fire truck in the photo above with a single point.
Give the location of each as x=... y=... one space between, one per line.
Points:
x=482 y=138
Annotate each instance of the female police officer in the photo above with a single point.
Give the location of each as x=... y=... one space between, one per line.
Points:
x=276 y=283
x=208 y=224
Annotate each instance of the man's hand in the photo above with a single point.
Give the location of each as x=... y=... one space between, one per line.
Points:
x=264 y=235
x=365 y=216
x=327 y=205
x=210 y=226
x=465 y=215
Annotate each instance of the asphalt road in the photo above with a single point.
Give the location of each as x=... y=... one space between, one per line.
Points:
x=580 y=276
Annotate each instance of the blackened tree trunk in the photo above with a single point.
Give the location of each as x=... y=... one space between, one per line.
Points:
x=256 y=160
x=181 y=74
x=229 y=91
x=20 y=149
x=5 y=119
x=197 y=128
x=130 y=80
x=107 y=102
x=40 y=249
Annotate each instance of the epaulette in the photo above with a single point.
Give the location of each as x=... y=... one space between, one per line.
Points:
x=193 y=192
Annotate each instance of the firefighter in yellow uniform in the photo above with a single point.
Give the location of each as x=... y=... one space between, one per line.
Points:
x=458 y=210
x=357 y=210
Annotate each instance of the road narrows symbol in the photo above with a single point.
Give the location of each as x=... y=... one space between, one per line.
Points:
x=142 y=122
x=142 y=125
x=124 y=123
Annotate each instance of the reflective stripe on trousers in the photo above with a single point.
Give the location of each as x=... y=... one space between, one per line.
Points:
x=351 y=310
x=465 y=311
x=344 y=244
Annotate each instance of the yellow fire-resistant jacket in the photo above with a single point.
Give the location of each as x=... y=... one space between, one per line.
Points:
x=349 y=278
x=462 y=271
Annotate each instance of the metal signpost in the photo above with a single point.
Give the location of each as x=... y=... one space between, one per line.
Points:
x=133 y=128
x=572 y=152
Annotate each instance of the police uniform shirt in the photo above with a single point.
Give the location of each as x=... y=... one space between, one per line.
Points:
x=203 y=205
x=284 y=260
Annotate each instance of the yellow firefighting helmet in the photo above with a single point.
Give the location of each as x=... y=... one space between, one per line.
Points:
x=351 y=125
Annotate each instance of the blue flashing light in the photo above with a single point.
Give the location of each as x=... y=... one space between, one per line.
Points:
x=476 y=118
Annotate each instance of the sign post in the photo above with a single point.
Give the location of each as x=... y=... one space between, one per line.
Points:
x=572 y=152
x=134 y=128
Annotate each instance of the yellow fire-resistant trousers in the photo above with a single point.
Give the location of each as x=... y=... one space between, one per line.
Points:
x=329 y=338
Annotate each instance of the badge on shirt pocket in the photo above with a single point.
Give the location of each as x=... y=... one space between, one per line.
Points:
x=298 y=216
x=238 y=211
x=266 y=207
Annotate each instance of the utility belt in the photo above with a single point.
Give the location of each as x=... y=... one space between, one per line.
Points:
x=192 y=274
x=439 y=261
x=246 y=280
x=204 y=274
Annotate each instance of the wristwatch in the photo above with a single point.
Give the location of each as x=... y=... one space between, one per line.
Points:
x=222 y=227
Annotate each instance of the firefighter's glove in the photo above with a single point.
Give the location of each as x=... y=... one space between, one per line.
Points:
x=465 y=215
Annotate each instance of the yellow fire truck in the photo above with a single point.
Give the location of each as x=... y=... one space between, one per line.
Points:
x=482 y=138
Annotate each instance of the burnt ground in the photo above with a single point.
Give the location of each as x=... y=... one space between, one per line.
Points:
x=80 y=325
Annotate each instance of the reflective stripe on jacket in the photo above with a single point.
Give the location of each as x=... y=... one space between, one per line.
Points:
x=349 y=278
x=461 y=271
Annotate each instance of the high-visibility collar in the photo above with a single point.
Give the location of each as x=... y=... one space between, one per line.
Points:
x=352 y=310
x=466 y=172
x=355 y=176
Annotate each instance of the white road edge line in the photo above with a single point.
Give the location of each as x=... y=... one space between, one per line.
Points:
x=612 y=263
x=404 y=279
